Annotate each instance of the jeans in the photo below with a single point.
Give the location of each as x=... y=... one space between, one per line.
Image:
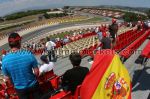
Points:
x=51 y=54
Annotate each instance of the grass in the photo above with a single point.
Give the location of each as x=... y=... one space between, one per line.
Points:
x=8 y=26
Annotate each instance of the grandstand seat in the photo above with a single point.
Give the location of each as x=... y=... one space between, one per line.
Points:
x=55 y=82
x=77 y=92
x=46 y=87
x=11 y=92
x=62 y=95
x=46 y=76
x=2 y=86
x=146 y=51
x=2 y=94
x=126 y=53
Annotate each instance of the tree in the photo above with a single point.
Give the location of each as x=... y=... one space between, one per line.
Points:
x=133 y=17
x=148 y=13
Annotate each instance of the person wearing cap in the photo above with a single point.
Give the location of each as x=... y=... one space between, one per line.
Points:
x=113 y=29
x=20 y=67
x=4 y=52
x=105 y=41
x=47 y=66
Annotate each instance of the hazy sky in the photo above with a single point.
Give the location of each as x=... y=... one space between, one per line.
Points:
x=9 y=6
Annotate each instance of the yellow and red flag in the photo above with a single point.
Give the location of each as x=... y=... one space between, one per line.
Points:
x=107 y=79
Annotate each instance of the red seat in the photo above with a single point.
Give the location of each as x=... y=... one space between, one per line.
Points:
x=146 y=50
x=55 y=82
x=2 y=94
x=11 y=92
x=62 y=95
x=77 y=92
x=126 y=53
x=46 y=76
x=49 y=75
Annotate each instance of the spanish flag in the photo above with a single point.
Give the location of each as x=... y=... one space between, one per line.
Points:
x=107 y=79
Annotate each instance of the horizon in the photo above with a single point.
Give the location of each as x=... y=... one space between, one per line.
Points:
x=22 y=5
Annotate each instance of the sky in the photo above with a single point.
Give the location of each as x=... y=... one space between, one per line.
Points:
x=10 y=6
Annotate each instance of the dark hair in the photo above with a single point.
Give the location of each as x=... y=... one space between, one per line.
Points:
x=44 y=59
x=14 y=40
x=75 y=59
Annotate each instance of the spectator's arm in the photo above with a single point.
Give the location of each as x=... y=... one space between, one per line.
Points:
x=35 y=65
x=36 y=71
x=7 y=79
x=5 y=73
x=64 y=79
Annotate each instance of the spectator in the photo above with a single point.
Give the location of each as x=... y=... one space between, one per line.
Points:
x=106 y=42
x=50 y=46
x=148 y=24
x=75 y=76
x=139 y=26
x=47 y=66
x=100 y=35
x=4 y=52
x=113 y=29
x=62 y=43
x=21 y=69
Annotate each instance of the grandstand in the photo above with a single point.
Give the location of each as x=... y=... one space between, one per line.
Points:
x=104 y=12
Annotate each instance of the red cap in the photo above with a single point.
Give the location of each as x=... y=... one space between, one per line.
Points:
x=13 y=37
x=104 y=34
x=4 y=51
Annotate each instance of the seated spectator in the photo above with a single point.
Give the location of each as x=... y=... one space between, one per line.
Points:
x=47 y=66
x=75 y=76
x=106 y=42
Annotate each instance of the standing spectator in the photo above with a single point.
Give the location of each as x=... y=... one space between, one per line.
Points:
x=75 y=76
x=50 y=46
x=113 y=29
x=33 y=46
x=21 y=69
x=61 y=43
x=106 y=42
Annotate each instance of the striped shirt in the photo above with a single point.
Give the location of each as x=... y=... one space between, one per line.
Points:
x=18 y=66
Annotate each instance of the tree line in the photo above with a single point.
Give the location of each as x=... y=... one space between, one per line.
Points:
x=133 y=17
x=24 y=14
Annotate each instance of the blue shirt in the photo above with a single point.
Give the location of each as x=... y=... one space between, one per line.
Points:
x=100 y=36
x=18 y=66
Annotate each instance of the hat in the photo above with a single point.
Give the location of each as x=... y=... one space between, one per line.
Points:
x=104 y=34
x=13 y=37
x=3 y=51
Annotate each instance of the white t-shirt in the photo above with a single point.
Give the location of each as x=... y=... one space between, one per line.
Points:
x=46 y=67
x=149 y=24
x=50 y=45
